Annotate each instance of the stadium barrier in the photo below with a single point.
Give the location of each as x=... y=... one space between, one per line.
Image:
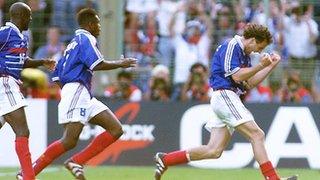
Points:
x=36 y=113
x=292 y=134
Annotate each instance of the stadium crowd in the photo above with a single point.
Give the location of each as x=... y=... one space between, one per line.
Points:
x=174 y=41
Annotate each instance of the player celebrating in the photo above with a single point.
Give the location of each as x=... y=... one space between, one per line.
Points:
x=231 y=75
x=13 y=49
x=77 y=106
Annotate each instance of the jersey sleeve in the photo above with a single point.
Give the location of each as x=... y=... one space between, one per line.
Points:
x=90 y=55
x=55 y=75
x=231 y=58
x=4 y=36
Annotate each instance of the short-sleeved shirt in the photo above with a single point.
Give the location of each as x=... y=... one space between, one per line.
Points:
x=13 y=50
x=78 y=61
x=227 y=60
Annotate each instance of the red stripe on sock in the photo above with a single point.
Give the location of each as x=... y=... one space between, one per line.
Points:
x=53 y=151
x=22 y=149
x=97 y=145
x=268 y=171
x=175 y=158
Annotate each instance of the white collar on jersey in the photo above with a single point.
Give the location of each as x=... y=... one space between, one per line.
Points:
x=79 y=31
x=14 y=27
x=238 y=39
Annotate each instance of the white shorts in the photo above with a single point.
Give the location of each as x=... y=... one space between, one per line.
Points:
x=11 y=97
x=76 y=104
x=229 y=109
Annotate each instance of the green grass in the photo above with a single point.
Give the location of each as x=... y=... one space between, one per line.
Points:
x=174 y=173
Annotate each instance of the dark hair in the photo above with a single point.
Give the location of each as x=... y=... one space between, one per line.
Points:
x=124 y=74
x=86 y=15
x=257 y=31
x=196 y=65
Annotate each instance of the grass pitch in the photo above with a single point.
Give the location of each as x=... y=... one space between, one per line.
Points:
x=146 y=173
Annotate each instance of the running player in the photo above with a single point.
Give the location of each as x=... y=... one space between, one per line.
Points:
x=77 y=106
x=231 y=75
x=13 y=58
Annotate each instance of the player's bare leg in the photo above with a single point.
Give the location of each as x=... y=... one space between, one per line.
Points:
x=69 y=140
x=17 y=121
x=71 y=135
x=219 y=139
x=111 y=124
x=108 y=121
x=256 y=136
x=57 y=148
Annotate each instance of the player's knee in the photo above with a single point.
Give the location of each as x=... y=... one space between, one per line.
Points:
x=214 y=152
x=23 y=132
x=117 y=132
x=257 y=136
x=69 y=143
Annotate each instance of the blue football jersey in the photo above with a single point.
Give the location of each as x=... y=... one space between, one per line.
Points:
x=13 y=50
x=78 y=61
x=227 y=60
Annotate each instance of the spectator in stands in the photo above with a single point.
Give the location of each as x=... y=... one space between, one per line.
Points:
x=41 y=11
x=243 y=10
x=197 y=87
x=166 y=10
x=224 y=27
x=142 y=26
x=301 y=33
x=53 y=48
x=1 y=12
x=124 y=89
x=190 y=10
x=63 y=15
x=272 y=22
x=259 y=94
x=276 y=88
x=141 y=38
x=159 y=84
x=294 y=91
x=190 y=47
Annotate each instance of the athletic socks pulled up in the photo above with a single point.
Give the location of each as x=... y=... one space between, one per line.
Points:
x=53 y=151
x=175 y=158
x=24 y=156
x=97 y=145
x=268 y=171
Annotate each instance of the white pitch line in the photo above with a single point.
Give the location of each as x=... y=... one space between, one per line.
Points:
x=47 y=170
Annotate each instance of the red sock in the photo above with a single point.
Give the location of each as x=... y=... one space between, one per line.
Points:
x=52 y=152
x=268 y=171
x=97 y=145
x=22 y=149
x=175 y=158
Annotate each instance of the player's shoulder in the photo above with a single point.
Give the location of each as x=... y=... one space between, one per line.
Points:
x=85 y=37
x=229 y=45
x=4 y=30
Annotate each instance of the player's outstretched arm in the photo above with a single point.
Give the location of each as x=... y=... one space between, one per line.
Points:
x=50 y=64
x=121 y=63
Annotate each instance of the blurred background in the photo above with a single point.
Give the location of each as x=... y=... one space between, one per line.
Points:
x=174 y=41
